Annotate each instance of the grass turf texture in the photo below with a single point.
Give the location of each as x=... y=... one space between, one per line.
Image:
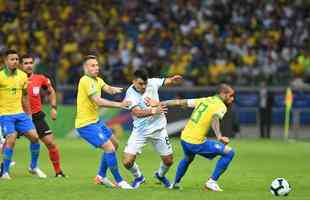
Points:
x=256 y=164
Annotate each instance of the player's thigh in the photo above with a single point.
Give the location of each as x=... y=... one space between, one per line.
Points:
x=189 y=150
x=135 y=143
x=24 y=125
x=41 y=125
x=32 y=135
x=211 y=148
x=105 y=130
x=8 y=125
x=93 y=134
x=114 y=141
x=48 y=140
x=161 y=143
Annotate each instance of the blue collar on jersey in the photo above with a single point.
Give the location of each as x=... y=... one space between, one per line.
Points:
x=133 y=86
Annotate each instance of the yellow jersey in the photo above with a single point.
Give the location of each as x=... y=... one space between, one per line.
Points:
x=87 y=110
x=196 y=129
x=12 y=86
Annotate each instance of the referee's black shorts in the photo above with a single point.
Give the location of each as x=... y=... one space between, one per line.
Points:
x=41 y=126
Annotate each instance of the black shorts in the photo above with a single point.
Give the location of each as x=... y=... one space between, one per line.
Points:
x=41 y=126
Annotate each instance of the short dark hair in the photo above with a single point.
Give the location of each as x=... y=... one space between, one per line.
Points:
x=224 y=88
x=10 y=51
x=88 y=57
x=26 y=56
x=141 y=73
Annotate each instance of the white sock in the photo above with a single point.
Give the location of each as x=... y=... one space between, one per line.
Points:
x=163 y=169
x=135 y=170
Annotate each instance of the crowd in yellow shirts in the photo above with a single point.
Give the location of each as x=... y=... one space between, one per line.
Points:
x=205 y=41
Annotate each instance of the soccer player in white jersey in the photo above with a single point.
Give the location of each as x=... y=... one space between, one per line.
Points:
x=149 y=125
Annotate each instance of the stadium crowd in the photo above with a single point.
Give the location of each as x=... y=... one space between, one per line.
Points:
x=206 y=41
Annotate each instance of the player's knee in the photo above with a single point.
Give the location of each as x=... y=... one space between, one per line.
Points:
x=34 y=139
x=127 y=163
x=168 y=161
x=115 y=144
x=9 y=143
x=50 y=145
x=188 y=159
x=231 y=153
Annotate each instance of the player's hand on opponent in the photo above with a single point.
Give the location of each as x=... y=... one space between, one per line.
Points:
x=176 y=79
x=151 y=102
x=160 y=109
x=125 y=104
x=156 y=106
x=223 y=139
x=53 y=113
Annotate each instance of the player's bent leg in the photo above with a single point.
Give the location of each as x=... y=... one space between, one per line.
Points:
x=8 y=154
x=114 y=141
x=166 y=163
x=220 y=168
x=54 y=154
x=134 y=146
x=181 y=170
x=110 y=157
x=130 y=164
x=35 y=152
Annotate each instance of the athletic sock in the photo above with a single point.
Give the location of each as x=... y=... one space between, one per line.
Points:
x=35 y=151
x=222 y=165
x=55 y=159
x=112 y=164
x=7 y=157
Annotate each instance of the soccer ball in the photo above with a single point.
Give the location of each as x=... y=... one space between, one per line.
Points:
x=280 y=187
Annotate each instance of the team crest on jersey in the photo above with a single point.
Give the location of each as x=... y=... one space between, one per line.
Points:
x=36 y=90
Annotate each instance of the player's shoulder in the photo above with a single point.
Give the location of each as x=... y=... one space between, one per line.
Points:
x=85 y=79
x=155 y=80
x=1 y=70
x=130 y=90
x=21 y=73
x=38 y=76
x=100 y=81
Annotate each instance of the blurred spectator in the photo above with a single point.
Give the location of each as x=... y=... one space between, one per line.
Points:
x=205 y=41
x=265 y=111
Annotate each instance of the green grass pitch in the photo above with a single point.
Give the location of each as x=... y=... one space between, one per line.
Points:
x=256 y=164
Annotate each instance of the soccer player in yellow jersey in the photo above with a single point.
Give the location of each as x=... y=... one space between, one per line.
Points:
x=90 y=127
x=208 y=113
x=13 y=119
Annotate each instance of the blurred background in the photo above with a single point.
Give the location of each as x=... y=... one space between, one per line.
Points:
x=261 y=47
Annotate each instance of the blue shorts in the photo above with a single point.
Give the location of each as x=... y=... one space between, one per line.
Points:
x=95 y=134
x=209 y=149
x=20 y=123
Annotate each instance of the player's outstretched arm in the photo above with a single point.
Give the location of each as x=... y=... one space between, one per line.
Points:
x=111 y=104
x=215 y=124
x=172 y=102
x=174 y=80
x=138 y=112
x=112 y=90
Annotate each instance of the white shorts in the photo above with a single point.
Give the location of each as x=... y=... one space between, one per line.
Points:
x=159 y=140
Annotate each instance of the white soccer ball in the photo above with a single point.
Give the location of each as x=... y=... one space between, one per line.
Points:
x=280 y=187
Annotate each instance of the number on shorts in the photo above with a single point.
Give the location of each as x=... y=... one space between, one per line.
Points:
x=167 y=141
x=198 y=112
